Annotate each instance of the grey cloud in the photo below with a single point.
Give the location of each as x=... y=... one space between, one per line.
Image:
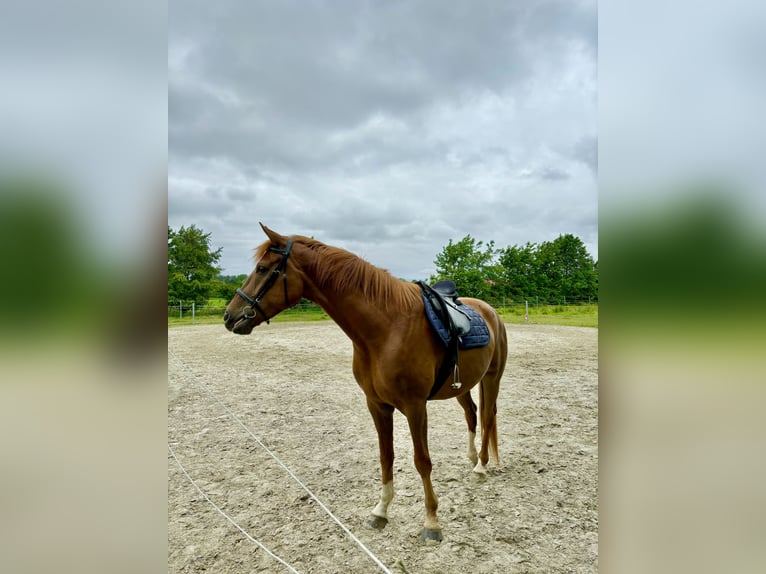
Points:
x=552 y=174
x=586 y=151
x=208 y=204
x=330 y=65
x=241 y=194
x=378 y=126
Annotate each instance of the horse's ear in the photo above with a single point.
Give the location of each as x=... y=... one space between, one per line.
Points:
x=274 y=237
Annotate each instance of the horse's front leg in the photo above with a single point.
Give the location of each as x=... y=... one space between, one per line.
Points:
x=383 y=416
x=418 y=421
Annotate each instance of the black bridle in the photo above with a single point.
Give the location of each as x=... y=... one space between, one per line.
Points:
x=280 y=268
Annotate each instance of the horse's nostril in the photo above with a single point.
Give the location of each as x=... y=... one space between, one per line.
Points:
x=225 y=315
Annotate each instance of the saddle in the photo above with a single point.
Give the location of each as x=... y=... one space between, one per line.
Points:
x=456 y=324
x=442 y=297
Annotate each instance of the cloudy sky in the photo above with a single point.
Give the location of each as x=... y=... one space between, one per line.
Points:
x=386 y=128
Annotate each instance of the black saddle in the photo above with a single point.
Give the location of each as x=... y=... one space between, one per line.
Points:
x=446 y=289
x=442 y=297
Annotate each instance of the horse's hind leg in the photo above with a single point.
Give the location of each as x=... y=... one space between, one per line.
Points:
x=488 y=391
x=383 y=416
x=488 y=405
x=469 y=407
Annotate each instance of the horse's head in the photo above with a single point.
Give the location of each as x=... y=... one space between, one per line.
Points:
x=274 y=285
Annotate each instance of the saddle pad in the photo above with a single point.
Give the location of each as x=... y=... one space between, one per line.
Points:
x=477 y=337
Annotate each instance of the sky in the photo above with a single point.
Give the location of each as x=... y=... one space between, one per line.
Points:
x=384 y=128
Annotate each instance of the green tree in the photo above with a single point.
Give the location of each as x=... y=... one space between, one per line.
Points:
x=518 y=271
x=578 y=278
x=224 y=286
x=470 y=264
x=550 y=272
x=191 y=264
x=565 y=270
x=547 y=279
x=236 y=280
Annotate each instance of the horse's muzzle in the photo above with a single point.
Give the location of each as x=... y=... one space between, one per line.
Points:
x=229 y=321
x=239 y=324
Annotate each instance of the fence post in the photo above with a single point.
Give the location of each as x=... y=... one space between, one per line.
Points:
x=180 y=309
x=526 y=311
x=192 y=312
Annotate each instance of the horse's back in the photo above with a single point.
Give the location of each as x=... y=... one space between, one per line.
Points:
x=499 y=337
x=488 y=312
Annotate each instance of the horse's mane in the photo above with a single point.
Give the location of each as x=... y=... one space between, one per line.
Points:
x=336 y=269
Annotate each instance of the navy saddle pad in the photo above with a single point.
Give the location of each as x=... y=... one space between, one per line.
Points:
x=477 y=337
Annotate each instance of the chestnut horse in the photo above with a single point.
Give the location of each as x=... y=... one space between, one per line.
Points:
x=396 y=354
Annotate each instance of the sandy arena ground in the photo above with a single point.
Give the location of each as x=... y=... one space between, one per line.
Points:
x=291 y=385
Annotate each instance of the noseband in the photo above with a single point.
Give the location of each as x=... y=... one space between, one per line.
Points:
x=280 y=268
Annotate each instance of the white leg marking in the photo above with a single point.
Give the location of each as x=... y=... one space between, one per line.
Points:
x=480 y=468
x=472 y=455
x=386 y=496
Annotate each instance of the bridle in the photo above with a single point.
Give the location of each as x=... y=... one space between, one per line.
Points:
x=279 y=269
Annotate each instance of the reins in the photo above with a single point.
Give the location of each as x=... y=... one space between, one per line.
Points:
x=279 y=269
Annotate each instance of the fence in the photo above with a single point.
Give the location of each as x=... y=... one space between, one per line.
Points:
x=540 y=301
x=189 y=310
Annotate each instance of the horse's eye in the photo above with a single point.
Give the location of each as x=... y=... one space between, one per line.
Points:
x=261 y=269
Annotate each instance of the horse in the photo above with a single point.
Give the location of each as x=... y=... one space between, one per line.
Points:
x=396 y=356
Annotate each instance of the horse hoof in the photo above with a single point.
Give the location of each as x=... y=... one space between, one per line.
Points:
x=377 y=522
x=432 y=535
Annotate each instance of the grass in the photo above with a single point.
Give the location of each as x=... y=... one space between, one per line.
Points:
x=565 y=315
x=298 y=313
x=199 y=320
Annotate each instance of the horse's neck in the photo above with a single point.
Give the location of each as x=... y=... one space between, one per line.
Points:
x=362 y=319
x=359 y=318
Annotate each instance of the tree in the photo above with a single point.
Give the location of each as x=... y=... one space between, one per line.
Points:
x=470 y=265
x=191 y=264
x=576 y=272
x=565 y=270
x=518 y=271
x=550 y=272
x=236 y=280
x=224 y=286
